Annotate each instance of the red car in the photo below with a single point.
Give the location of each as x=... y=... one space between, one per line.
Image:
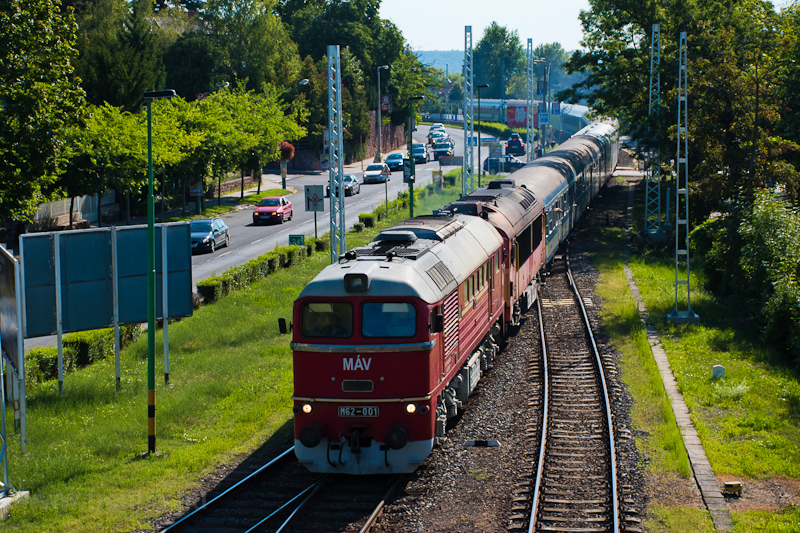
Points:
x=273 y=209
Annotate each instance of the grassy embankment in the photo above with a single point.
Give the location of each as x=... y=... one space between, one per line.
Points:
x=229 y=394
x=747 y=421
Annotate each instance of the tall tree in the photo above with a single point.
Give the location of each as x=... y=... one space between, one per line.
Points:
x=255 y=44
x=497 y=57
x=40 y=100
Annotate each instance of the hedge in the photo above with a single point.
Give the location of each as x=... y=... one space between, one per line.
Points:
x=80 y=349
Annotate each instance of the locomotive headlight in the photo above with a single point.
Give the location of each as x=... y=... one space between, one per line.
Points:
x=307 y=408
x=356 y=282
x=411 y=408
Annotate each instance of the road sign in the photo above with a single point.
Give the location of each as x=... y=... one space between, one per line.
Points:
x=544 y=118
x=296 y=239
x=315 y=199
x=386 y=103
x=555 y=108
x=407 y=177
x=323 y=162
x=451 y=161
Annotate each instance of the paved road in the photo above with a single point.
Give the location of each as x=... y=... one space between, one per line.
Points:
x=248 y=241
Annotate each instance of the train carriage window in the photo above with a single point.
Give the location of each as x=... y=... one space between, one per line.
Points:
x=388 y=319
x=327 y=319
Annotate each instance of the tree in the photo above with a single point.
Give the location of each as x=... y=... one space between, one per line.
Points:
x=732 y=58
x=497 y=57
x=40 y=100
x=255 y=44
x=194 y=65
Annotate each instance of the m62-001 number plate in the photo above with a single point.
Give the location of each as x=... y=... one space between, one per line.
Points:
x=358 y=411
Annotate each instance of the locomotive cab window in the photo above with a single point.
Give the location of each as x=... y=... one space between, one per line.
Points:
x=327 y=319
x=388 y=319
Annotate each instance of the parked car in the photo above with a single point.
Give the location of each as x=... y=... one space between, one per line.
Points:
x=273 y=209
x=506 y=163
x=209 y=234
x=420 y=153
x=515 y=145
x=377 y=173
x=394 y=161
x=442 y=148
x=351 y=186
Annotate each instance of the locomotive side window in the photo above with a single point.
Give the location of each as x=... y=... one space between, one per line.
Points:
x=327 y=319
x=384 y=319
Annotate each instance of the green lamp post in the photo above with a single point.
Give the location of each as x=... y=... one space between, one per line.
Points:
x=151 y=275
x=410 y=150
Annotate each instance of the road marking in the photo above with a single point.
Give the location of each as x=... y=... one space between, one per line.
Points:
x=259 y=240
x=223 y=255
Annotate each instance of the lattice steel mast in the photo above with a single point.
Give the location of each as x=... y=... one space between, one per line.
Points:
x=529 y=108
x=652 y=178
x=335 y=158
x=682 y=195
x=468 y=172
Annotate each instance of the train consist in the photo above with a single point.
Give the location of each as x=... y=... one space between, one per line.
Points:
x=390 y=341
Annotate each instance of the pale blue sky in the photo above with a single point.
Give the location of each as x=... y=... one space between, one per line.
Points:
x=439 y=24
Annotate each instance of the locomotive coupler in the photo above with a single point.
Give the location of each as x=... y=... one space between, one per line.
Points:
x=355 y=443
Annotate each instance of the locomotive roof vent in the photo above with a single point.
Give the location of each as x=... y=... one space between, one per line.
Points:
x=500 y=184
x=396 y=236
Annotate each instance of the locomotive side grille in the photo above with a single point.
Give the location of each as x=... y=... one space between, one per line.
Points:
x=528 y=199
x=357 y=385
x=451 y=315
x=440 y=275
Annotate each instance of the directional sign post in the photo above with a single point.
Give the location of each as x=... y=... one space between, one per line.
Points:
x=315 y=201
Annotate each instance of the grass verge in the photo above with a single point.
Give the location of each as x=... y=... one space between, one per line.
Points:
x=229 y=394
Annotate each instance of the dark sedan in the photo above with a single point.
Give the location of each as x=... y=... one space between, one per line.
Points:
x=506 y=163
x=209 y=234
x=395 y=161
x=515 y=145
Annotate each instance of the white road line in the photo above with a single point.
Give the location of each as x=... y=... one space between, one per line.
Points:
x=259 y=240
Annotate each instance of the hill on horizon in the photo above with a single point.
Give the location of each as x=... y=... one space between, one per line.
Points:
x=446 y=60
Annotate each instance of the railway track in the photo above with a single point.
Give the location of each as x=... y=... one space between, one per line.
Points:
x=282 y=496
x=576 y=481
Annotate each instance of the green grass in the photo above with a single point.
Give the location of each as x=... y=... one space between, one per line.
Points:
x=747 y=421
x=229 y=394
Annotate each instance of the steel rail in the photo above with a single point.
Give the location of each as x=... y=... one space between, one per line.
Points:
x=374 y=516
x=223 y=494
x=543 y=438
x=612 y=449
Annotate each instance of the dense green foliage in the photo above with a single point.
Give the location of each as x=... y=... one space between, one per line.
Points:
x=742 y=76
x=753 y=255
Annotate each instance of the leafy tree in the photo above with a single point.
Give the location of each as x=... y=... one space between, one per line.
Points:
x=255 y=44
x=497 y=57
x=39 y=101
x=194 y=66
x=732 y=55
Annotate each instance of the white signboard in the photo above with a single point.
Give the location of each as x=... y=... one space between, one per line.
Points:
x=315 y=197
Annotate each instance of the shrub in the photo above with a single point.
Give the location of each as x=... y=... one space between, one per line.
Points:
x=367 y=220
x=210 y=289
x=359 y=227
x=321 y=245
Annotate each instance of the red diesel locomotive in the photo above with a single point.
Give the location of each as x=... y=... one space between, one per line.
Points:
x=391 y=340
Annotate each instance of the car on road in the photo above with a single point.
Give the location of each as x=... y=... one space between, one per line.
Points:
x=209 y=234
x=350 y=184
x=420 y=153
x=506 y=163
x=515 y=146
x=435 y=135
x=377 y=173
x=441 y=149
x=273 y=209
x=394 y=161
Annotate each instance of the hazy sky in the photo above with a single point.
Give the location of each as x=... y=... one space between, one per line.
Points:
x=439 y=24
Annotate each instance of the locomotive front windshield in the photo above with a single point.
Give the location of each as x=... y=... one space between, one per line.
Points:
x=328 y=319
x=384 y=319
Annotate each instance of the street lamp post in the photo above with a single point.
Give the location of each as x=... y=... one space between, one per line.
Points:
x=547 y=79
x=151 y=276
x=378 y=156
x=480 y=168
x=412 y=176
